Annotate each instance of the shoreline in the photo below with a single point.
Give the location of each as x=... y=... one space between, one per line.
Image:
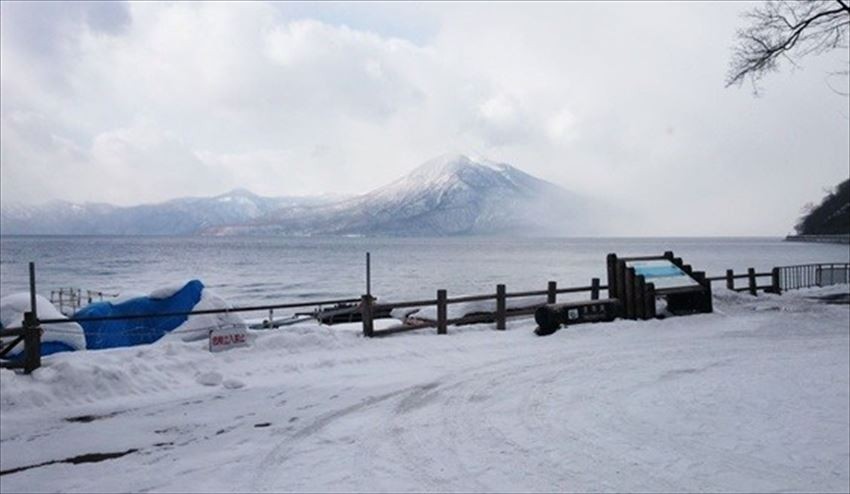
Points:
x=839 y=238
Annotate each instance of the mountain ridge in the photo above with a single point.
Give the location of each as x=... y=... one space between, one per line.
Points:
x=452 y=194
x=448 y=195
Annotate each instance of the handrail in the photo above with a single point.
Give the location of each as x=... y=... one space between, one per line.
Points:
x=203 y=311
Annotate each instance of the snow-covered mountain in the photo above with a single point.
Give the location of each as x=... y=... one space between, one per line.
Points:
x=176 y=217
x=449 y=195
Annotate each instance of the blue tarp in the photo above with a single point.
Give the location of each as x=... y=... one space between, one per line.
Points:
x=130 y=332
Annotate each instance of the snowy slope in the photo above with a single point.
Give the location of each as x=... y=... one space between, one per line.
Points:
x=176 y=217
x=449 y=195
x=752 y=398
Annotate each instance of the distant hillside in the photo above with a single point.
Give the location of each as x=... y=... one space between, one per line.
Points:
x=831 y=216
x=449 y=195
x=184 y=216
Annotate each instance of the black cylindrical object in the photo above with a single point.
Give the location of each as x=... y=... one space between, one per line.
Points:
x=549 y=318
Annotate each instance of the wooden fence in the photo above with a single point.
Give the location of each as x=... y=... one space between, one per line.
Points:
x=442 y=301
x=752 y=278
x=781 y=278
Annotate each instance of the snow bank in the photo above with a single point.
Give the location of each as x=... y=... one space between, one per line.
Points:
x=169 y=367
x=198 y=327
x=751 y=398
x=56 y=337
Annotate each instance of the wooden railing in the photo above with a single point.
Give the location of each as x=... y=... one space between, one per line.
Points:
x=781 y=278
x=442 y=301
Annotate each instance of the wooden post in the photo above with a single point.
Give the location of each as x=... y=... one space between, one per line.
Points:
x=707 y=303
x=621 y=282
x=33 y=304
x=32 y=343
x=668 y=254
x=611 y=262
x=677 y=261
x=640 y=291
x=442 y=320
x=688 y=269
x=649 y=300
x=501 y=306
x=751 y=277
x=366 y=313
x=629 y=296
x=61 y=296
x=594 y=289
x=774 y=281
x=552 y=292
x=730 y=279
x=368 y=274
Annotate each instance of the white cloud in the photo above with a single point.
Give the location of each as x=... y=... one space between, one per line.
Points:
x=621 y=102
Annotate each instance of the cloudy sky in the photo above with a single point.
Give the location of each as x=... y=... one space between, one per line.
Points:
x=621 y=102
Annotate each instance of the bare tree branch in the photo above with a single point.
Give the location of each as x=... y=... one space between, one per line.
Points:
x=790 y=30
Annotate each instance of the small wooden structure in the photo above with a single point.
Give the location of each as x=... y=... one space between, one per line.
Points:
x=550 y=317
x=638 y=281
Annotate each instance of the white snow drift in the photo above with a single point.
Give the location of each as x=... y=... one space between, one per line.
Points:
x=754 y=397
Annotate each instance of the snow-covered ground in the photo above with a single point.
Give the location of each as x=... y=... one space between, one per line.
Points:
x=755 y=397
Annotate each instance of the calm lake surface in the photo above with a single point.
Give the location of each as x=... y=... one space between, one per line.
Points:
x=262 y=270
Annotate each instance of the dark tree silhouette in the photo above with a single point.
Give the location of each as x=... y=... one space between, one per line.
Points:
x=831 y=216
x=788 y=30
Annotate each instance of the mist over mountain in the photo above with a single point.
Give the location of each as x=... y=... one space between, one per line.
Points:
x=448 y=195
x=183 y=216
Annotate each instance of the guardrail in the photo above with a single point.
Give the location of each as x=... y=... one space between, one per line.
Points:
x=442 y=301
x=782 y=278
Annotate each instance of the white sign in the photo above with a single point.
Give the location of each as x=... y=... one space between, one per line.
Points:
x=227 y=338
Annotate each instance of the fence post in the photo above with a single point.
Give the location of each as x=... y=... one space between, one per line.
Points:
x=649 y=300
x=621 y=282
x=441 y=312
x=629 y=302
x=640 y=291
x=730 y=279
x=594 y=289
x=32 y=343
x=774 y=281
x=33 y=304
x=501 y=306
x=707 y=302
x=552 y=292
x=611 y=262
x=751 y=277
x=366 y=313
x=368 y=274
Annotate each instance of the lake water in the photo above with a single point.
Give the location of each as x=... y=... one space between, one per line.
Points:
x=264 y=270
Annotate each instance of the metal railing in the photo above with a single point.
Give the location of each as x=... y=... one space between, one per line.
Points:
x=782 y=278
x=812 y=275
